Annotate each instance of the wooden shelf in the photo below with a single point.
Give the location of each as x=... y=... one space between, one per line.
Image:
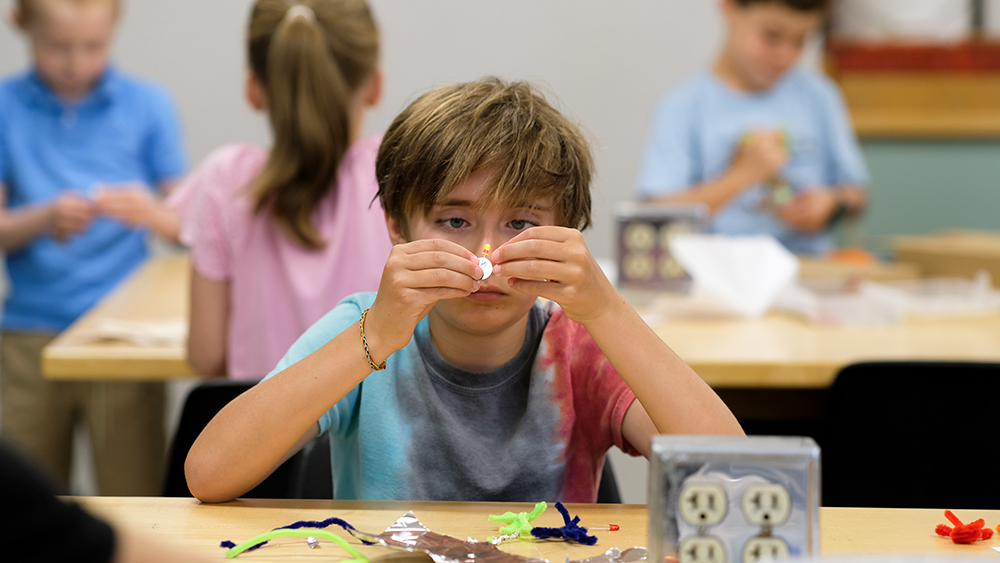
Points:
x=923 y=104
x=955 y=95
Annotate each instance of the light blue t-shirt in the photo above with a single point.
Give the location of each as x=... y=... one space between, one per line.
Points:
x=537 y=428
x=124 y=131
x=698 y=126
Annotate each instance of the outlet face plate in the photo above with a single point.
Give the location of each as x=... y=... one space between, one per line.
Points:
x=702 y=549
x=702 y=504
x=687 y=471
x=765 y=549
x=766 y=505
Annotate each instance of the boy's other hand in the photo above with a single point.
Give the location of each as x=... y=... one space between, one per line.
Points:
x=760 y=156
x=71 y=214
x=555 y=263
x=810 y=211
x=131 y=204
x=417 y=275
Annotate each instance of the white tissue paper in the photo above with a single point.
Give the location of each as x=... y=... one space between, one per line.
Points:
x=745 y=274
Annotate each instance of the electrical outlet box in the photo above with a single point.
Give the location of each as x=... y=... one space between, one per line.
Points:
x=721 y=499
x=644 y=234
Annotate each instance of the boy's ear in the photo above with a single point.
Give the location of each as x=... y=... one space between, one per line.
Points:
x=255 y=93
x=727 y=7
x=15 y=19
x=373 y=90
x=396 y=235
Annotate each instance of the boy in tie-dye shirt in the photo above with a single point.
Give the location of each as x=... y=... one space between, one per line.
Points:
x=448 y=385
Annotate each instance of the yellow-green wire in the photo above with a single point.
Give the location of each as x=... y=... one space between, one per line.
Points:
x=285 y=532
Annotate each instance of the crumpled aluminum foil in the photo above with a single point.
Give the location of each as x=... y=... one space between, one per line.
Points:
x=410 y=534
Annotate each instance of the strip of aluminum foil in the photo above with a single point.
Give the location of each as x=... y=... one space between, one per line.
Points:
x=409 y=534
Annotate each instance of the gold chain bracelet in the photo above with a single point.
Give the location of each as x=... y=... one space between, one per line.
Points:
x=364 y=341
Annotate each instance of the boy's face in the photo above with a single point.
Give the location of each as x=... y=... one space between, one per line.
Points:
x=766 y=39
x=71 y=42
x=458 y=219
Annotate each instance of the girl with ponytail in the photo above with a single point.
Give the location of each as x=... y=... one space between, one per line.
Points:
x=278 y=236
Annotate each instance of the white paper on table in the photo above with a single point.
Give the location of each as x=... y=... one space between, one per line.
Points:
x=140 y=333
x=744 y=273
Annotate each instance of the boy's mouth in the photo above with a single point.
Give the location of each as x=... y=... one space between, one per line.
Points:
x=487 y=293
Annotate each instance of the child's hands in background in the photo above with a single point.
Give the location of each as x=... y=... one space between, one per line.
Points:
x=555 y=263
x=810 y=211
x=71 y=214
x=417 y=275
x=759 y=156
x=132 y=204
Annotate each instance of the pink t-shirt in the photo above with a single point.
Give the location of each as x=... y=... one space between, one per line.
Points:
x=278 y=288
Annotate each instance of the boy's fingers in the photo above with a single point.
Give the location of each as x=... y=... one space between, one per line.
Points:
x=437 y=278
x=436 y=245
x=436 y=260
x=545 y=289
x=548 y=243
x=538 y=270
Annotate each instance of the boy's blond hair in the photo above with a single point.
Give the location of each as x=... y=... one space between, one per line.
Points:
x=311 y=56
x=28 y=10
x=531 y=150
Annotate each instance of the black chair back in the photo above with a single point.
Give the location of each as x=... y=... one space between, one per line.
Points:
x=304 y=475
x=912 y=435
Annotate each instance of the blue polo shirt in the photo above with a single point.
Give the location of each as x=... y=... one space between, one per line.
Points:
x=124 y=131
x=698 y=127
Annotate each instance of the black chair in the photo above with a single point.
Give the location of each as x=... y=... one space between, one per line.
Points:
x=912 y=435
x=607 y=490
x=304 y=475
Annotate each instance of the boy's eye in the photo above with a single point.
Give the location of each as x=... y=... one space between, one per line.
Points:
x=521 y=224
x=453 y=222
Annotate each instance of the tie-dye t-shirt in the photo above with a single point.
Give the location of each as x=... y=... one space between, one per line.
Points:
x=536 y=429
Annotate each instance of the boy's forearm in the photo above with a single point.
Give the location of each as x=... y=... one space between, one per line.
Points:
x=676 y=399
x=165 y=221
x=252 y=435
x=854 y=198
x=20 y=227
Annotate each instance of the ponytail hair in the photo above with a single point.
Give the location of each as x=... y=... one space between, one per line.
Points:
x=311 y=57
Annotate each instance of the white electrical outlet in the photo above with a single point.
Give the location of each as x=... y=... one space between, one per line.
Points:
x=766 y=505
x=702 y=504
x=702 y=549
x=765 y=549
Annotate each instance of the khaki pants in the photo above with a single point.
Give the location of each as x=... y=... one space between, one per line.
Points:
x=125 y=420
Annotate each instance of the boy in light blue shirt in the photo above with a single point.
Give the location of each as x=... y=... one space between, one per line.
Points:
x=81 y=147
x=766 y=145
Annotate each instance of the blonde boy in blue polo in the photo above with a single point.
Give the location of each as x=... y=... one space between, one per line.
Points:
x=80 y=147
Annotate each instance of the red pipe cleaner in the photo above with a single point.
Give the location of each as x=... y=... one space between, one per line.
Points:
x=963 y=533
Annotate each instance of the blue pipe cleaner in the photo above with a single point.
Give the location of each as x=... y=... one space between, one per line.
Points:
x=571 y=531
x=304 y=524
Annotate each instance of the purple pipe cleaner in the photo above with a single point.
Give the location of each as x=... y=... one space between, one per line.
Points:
x=571 y=531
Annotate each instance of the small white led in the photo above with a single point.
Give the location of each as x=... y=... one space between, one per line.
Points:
x=485 y=263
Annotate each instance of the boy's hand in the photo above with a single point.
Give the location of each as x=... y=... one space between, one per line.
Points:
x=71 y=214
x=417 y=275
x=810 y=211
x=760 y=156
x=555 y=263
x=131 y=204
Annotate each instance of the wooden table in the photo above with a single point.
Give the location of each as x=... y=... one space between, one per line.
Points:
x=200 y=528
x=156 y=293
x=781 y=351
x=777 y=351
